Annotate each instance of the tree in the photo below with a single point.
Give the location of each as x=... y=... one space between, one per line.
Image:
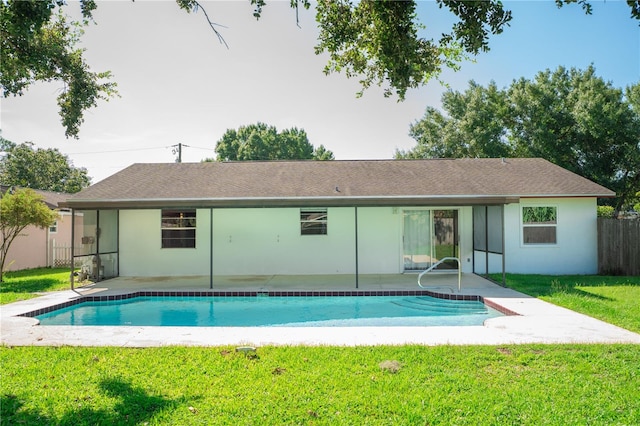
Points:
x=474 y=126
x=19 y=209
x=377 y=41
x=38 y=43
x=572 y=118
x=45 y=169
x=262 y=142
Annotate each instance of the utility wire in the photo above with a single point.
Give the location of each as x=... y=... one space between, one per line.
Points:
x=117 y=150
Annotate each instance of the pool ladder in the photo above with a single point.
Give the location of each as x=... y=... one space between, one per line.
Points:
x=436 y=265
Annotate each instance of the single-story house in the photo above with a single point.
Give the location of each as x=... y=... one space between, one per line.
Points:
x=40 y=247
x=520 y=215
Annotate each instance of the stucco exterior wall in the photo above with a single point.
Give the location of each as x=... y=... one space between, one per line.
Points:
x=34 y=247
x=268 y=241
x=140 y=247
x=576 y=250
x=28 y=250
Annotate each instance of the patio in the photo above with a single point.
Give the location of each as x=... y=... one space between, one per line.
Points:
x=441 y=282
x=536 y=322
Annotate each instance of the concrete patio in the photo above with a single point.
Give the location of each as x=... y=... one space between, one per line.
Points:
x=536 y=322
x=440 y=281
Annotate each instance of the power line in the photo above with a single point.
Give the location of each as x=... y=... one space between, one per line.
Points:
x=198 y=147
x=117 y=150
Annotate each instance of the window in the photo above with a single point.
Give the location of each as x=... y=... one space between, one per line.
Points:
x=313 y=221
x=53 y=228
x=178 y=228
x=539 y=225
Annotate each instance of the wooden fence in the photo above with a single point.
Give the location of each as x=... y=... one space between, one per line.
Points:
x=618 y=246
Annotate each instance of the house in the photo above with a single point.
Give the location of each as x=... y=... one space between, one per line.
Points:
x=42 y=247
x=339 y=217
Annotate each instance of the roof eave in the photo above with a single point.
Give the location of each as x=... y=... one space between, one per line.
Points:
x=344 y=201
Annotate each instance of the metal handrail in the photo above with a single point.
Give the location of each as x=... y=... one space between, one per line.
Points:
x=438 y=263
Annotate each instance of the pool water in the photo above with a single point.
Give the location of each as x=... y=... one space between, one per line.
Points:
x=347 y=311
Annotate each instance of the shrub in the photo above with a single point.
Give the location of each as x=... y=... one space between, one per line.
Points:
x=605 y=211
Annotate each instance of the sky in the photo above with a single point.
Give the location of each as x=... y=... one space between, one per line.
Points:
x=178 y=84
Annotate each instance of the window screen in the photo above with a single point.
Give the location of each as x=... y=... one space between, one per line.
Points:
x=178 y=228
x=539 y=225
x=313 y=221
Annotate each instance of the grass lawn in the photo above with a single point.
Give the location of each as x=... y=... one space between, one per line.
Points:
x=615 y=300
x=417 y=385
x=21 y=285
x=383 y=385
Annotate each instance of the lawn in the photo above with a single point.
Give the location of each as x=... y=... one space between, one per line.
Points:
x=612 y=299
x=21 y=285
x=388 y=385
x=383 y=385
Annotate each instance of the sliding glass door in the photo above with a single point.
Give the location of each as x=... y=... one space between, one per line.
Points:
x=428 y=236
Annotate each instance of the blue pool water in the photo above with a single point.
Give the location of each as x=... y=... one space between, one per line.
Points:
x=348 y=311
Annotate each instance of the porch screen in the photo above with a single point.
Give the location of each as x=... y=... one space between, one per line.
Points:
x=487 y=229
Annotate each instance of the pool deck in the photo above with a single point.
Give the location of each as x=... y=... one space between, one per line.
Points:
x=537 y=321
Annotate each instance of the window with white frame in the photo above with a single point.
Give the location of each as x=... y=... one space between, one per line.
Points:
x=539 y=225
x=178 y=228
x=313 y=221
x=53 y=228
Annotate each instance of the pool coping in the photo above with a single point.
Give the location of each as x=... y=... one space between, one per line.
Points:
x=215 y=293
x=535 y=321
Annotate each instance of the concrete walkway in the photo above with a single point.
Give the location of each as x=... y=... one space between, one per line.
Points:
x=537 y=322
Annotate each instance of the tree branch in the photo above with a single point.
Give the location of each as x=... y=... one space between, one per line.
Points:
x=194 y=5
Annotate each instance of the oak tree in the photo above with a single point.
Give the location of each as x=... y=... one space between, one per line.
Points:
x=262 y=142
x=37 y=168
x=570 y=117
x=377 y=41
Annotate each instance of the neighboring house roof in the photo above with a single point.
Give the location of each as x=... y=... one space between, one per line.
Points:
x=335 y=183
x=51 y=199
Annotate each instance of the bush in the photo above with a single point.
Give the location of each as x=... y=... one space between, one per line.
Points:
x=605 y=211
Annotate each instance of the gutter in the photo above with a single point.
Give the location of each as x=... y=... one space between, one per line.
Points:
x=256 y=202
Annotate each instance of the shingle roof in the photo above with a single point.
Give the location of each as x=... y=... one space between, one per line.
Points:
x=51 y=199
x=358 y=182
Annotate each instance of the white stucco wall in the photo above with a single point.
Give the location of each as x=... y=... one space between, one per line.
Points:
x=267 y=241
x=140 y=246
x=576 y=248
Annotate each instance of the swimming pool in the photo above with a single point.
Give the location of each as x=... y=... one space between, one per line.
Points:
x=257 y=311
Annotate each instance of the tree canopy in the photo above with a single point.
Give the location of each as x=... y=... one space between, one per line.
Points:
x=378 y=41
x=262 y=142
x=20 y=208
x=38 y=43
x=572 y=118
x=46 y=169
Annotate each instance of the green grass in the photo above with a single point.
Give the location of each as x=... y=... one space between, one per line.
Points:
x=21 y=285
x=523 y=385
x=384 y=385
x=615 y=300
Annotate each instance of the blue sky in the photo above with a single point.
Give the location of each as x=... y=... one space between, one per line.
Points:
x=179 y=85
